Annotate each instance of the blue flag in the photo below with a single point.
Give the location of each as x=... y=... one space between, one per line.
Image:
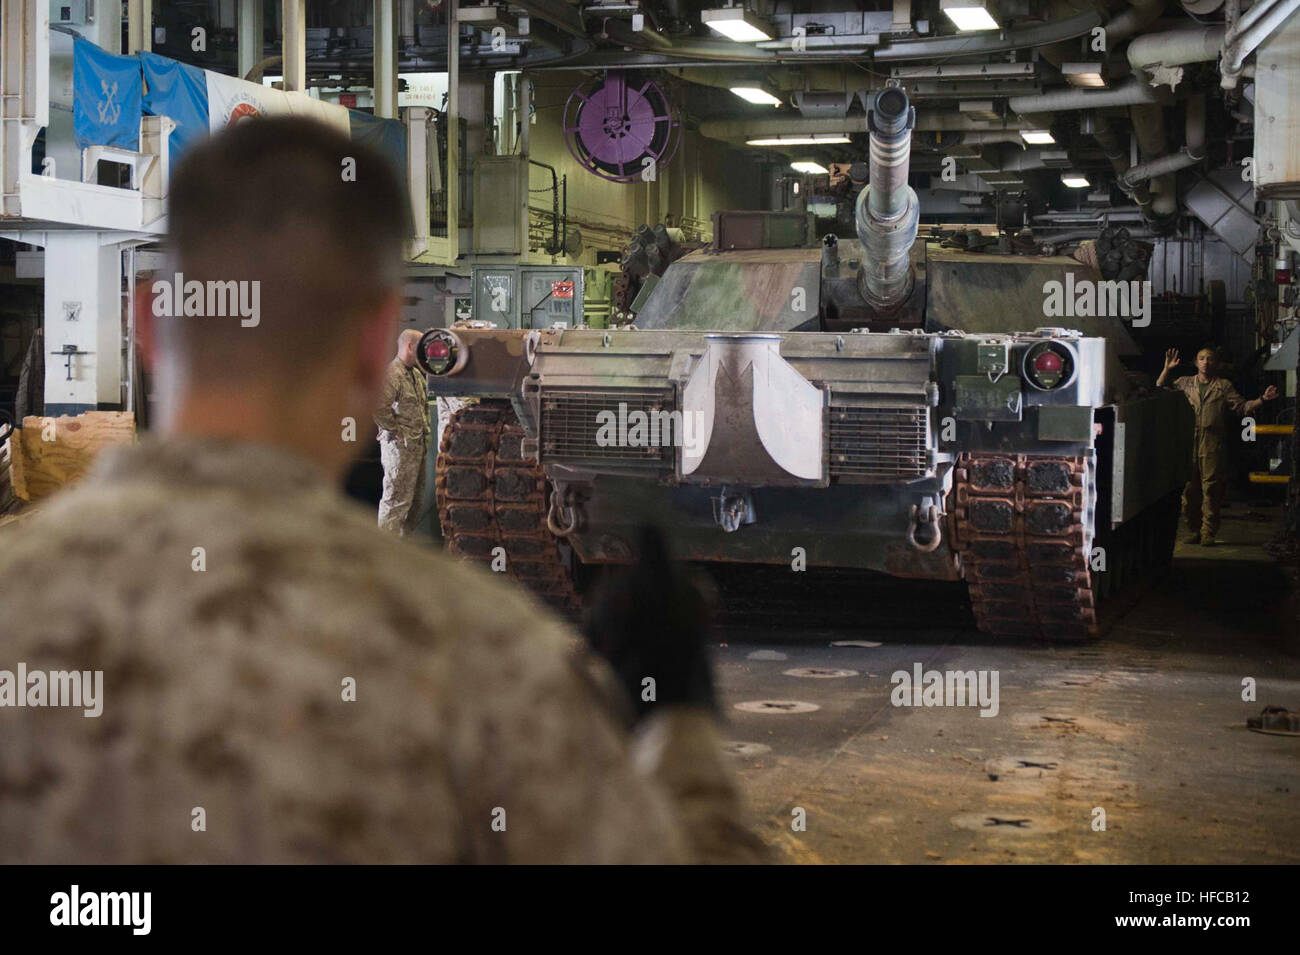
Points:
x=107 y=97
x=179 y=92
x=386 y=135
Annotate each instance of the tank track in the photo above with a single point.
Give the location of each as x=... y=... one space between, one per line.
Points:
x=490 y=496
x=1021 y=525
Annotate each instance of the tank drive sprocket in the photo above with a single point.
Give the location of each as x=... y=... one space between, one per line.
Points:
x=489 y=496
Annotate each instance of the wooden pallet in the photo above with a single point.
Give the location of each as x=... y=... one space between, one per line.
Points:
x=48 y=454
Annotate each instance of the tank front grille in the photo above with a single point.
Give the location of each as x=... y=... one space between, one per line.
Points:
x=879 y=444
x=627 y=426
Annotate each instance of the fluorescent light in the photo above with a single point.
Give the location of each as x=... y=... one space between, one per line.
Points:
x=1085 y=75
x=969 y=15
x=1093 y=81
x=1074 y=180
x=1037 y=137
x=736 y=23
x=970 y=19
x=811 y=168
x=818 y=139
x=753 y=94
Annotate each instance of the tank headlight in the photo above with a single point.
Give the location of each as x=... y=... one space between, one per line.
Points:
x=1049 y=365
x=441 y=352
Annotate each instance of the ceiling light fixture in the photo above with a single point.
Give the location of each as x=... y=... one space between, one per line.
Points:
x=1086 y=75
x=753 y=94
x=969 y=15
x=1075 y=180
x=811 y=168
x=1037 y=137
x=817 y=139
x=738 y=24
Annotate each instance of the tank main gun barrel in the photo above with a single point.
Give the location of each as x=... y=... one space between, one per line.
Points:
x=888 y=213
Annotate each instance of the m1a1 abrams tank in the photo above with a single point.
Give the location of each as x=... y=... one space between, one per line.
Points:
x=879 y=403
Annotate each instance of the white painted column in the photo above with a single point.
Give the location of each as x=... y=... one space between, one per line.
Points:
x=453 y=134
x=293 y=44
x=525 y=102
x=385 y=59
x=250 y=35
x=83 y=309
x=139 y=25
x=417 y=175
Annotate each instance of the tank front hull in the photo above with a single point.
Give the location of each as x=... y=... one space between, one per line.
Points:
x=849 y=526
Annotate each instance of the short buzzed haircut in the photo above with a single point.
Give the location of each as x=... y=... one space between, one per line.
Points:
x=318 y=220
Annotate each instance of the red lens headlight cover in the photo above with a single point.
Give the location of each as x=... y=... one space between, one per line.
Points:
x=1048 y=361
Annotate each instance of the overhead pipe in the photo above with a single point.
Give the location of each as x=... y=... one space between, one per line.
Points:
x=1079 y=235
x=1139 y=15
x=1191 y=153
x=1249 y=35
x=1116 y=152
x=1160 y=167
x=1131 y=93
x=1248 y=19
x=1101 y=217
x=1176 y=47
x=887 y=213
x=943 y=122
x=1194 y=124
x=1164 y=201
x=732 y=129
x=780 y=79
x=766 y=128
x=984 y=136
x=1231 y=13
x=1149 y=128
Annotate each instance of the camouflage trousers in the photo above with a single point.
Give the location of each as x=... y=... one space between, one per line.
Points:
x=403 y=461
x=446 y=408
x=1205 y=493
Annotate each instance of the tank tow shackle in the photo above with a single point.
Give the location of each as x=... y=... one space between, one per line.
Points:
x=931 y=522
x=561 y=520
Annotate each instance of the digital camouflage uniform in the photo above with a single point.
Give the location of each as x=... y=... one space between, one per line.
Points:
x=446 y=408
x=403 y=420
x=1204 y=494
x=223 y=689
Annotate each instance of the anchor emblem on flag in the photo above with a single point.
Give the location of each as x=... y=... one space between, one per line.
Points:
x=108 y=109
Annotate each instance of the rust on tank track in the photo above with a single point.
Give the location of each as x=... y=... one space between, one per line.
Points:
x=1019 y=525
x=490 y=496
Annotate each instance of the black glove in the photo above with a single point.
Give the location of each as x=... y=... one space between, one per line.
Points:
x=649 y=620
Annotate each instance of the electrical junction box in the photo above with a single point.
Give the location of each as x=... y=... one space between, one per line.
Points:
x=528 y=296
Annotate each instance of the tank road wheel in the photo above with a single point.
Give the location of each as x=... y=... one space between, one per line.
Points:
x=492 y=503
x=1023 y=526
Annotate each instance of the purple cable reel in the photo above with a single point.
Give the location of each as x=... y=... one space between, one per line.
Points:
x=613 y=125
